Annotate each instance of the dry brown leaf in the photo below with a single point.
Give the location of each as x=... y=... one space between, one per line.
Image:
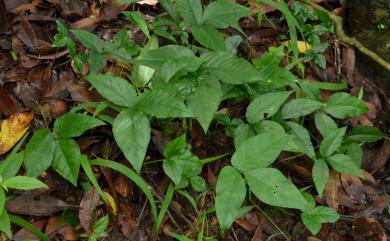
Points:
x=34 y=205
x=13 y=129
x=87 y=209
x=123 y=186
x=7 y=103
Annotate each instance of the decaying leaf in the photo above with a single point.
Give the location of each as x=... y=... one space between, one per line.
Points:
x=42 y=205
x=87 y=209
x=148 y=2
x=12 y=129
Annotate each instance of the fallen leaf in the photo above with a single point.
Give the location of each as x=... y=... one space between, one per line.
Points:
x=126 y=221
x=13 y=129
x=87 y=209
x=110 y=202
x=123 y=186
x=302 y=46
x=36 y=205
x=56 y=226
x=7 y=103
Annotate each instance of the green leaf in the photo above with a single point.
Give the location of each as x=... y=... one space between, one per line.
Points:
x=161 y=104
x=276 y=76
x=320 y=175
x=272 y=57
x=342 y=105
x=190 y=10
x=314 y=218
x=67 y=159
x=204 y=103
x=344 y=163
x=324 y=123
x=271 y=187
x=232 y=43
x=363 y=134
x=74 y=124
x=115 y=89
x=332 y=141
x=96 y=61
x=3 y=198
x=230 y=194
x=242 y=133
x=5 y=223
x=265 y=106
x=11 y=165
x=39 y=152
x=258 y=151
x=223 y=14
x=131 y=131
x=24 y=183
x=198 y=184
x=165 y=205
x=155 y=58
x=89 y=40
x=136 y=17
x=180 y=164
x=176 y=68
x=100 y=226
x=229 y=68
x=209 y=37
x=300 y=107
x=355 y=152
x=29 y=227
x=303 y=138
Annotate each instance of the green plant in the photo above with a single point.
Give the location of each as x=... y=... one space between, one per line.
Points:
x=10 y=180
x=99 y=229
x=186 y=81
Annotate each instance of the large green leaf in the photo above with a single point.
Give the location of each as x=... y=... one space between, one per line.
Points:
x=324 y=123
x=223 y=14
x=74 y=124
x=230 y=68
x=303 y=138
x=332 y=141
x=259 y=151
x=115 y=89
x=175 y=68
x=155 y=58
x=300 y=107
x=209 y=37
x=204 y=103
x=265 y=106
x=276 y=76
x=89 y=40
x=242 y=133
x=271 y=187
x=161 y=104
x=314 y=218
x=24 y=183
x=11 y=165
x=67 y=159
x=355 y=152
x=230 y=194
x=131 y=131
x=342 y=105
x=320 y=175
x=190 y=10
x=363 y=134
x=344 y=163
x=180 y=164
x=39 y=152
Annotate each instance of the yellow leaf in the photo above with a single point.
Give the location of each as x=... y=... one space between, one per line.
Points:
x=302 y=46
x=110 y=202
x=12 y=129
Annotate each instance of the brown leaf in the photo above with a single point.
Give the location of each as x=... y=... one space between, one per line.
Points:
x=56 y=226
x=123 y=186
x=348 y=58
x=126 y=221
x=332 y=189
x=36 y=205
x=87 y=209
x=13 y=129
x=24 y=234
x=26 y=33
x=7 y=103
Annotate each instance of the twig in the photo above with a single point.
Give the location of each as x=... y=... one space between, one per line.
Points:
x=345 y=38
